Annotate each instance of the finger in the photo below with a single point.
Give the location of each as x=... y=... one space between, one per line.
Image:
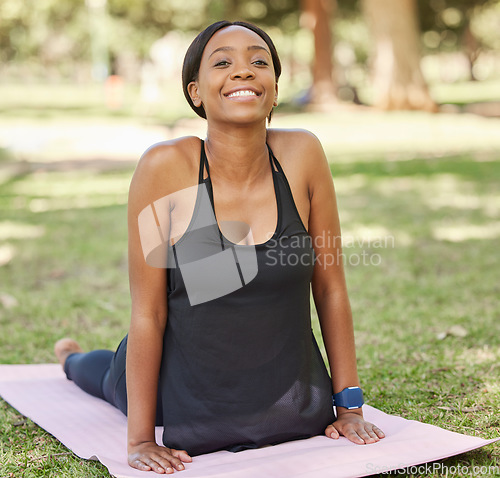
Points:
x=367 y=433
x=353 y=436
x=331 y=432
x=365 y=436
x=139 y=465
x=374 y=437
x=167 y=462
x=171 y=460
x=182 y=455
x=155 y=466
x=374 y=432
x=371 y=432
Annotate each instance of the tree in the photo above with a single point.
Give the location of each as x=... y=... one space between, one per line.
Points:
x=316 y=15
x=397 y=78
x=447 y=27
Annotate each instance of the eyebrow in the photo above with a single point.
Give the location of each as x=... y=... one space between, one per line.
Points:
x=230 y=48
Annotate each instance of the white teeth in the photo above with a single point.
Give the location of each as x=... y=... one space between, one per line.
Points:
x=242 y=93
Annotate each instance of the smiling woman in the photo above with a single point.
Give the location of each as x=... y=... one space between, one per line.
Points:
x=194 y=54
x=220 y=350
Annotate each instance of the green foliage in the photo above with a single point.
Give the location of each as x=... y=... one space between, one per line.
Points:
x=445 y=22
x=56 y=38
x=48 y=30
x=57 y=30
x=484 y=25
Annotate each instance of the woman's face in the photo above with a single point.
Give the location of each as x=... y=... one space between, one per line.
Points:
x=236 y=82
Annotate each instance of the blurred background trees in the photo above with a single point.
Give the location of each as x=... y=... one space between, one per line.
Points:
x=397 y=78
x=331 y=48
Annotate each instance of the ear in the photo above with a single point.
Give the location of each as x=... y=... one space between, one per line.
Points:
x=193 y=93
x=275 y=95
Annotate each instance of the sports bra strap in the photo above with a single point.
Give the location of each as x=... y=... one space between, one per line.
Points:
x=203 y=162
x=276 y=162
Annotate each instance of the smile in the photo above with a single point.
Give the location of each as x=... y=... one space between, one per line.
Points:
x=242 y=93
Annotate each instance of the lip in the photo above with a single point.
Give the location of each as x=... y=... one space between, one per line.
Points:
x=242 y=88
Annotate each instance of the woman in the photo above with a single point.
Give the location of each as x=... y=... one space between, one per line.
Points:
x=223 y=364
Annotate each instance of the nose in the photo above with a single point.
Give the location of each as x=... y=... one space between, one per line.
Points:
x=242 y=71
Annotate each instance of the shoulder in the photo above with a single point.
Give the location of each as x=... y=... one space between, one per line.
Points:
x=167 y=157
x=292 y=138
x=296 y=145
x=167 y=167
x=300 y=151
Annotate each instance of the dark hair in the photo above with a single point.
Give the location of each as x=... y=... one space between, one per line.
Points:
x=192 y=60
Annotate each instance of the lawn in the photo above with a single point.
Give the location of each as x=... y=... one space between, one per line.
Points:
x=421 y=252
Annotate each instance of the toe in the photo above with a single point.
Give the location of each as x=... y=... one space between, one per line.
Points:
x=64 y=348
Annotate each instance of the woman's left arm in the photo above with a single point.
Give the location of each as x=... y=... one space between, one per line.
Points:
x=330 y=295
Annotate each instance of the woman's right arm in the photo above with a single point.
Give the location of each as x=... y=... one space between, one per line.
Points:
x=148 y=320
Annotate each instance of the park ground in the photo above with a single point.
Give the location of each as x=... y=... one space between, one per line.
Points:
x=419 y=202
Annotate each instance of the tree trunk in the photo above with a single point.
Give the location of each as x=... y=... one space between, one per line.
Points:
x=316 y=15
x=397 y=78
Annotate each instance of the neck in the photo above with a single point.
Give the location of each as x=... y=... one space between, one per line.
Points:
x=237 y=154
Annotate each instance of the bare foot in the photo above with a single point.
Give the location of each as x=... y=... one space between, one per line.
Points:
x=64 y=348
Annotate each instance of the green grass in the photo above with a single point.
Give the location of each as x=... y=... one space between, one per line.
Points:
x=63 y=245
x=462 y=93
x=89 y=101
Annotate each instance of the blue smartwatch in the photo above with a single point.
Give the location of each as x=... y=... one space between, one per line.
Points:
x=350 y=398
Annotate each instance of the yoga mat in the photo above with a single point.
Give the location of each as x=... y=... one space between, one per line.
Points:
x=93 y=429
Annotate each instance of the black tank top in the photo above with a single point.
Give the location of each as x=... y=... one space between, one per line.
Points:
x=240 y=366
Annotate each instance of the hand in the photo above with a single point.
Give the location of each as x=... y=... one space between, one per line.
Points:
x=353 y=426
x=149 y=456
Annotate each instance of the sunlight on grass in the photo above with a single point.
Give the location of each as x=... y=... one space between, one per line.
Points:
x=71 y=185
x=480 y=354
x=440 y=193
x=7 y=253
x=44 y=192
x=60 y=204
x=374 y=236
x=465 y=232
x=397 y=135
x=492 y=386
x=466 y=92
x=18 y=230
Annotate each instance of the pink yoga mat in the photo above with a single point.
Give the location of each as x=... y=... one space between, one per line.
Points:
x=93 y=429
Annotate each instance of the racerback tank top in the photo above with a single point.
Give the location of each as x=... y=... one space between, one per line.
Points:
x=240 y=366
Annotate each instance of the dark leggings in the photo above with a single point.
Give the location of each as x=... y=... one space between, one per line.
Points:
x=101 y=373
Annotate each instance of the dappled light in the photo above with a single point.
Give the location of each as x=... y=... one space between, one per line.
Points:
x=71 y=185
x=19 y=230
x=408 y=114
x=464 y=232
x=43 y=205
x=481 y=354
x=7 y=253
x=400 y=136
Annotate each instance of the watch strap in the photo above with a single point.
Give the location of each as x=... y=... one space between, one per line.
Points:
x=350 y=398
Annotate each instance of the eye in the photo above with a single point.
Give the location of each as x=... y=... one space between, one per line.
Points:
x=222 y=63
x=260 y=63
